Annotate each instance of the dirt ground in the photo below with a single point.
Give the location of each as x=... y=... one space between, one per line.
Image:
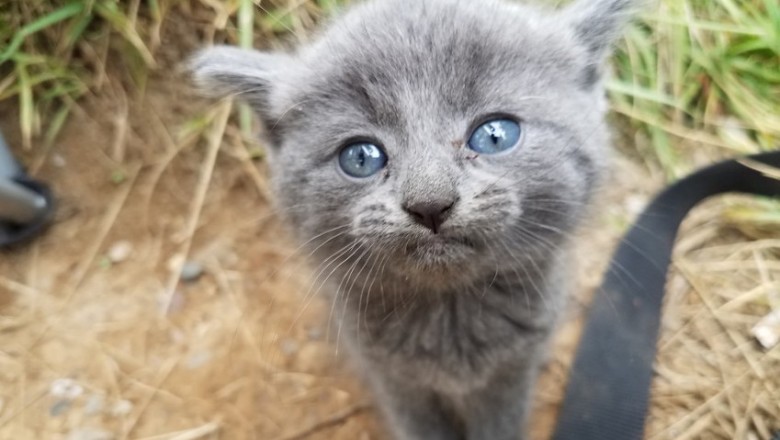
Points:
x=100 y=340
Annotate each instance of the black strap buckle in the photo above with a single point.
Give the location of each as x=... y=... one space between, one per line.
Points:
x=26 y=205
x=37 y=214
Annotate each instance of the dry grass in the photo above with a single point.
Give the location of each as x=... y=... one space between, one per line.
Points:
x=714 y=379
x=123 y=349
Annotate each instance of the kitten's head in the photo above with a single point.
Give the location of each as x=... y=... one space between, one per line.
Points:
x=434 y=136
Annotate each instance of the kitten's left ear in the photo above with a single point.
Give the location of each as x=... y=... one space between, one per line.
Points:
x=250 y=75
x=597 y=25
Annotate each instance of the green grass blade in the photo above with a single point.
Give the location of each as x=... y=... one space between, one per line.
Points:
x=55 y=126
x=109 y=12
x=246 y=17
x=44 y=22
x=26 y=106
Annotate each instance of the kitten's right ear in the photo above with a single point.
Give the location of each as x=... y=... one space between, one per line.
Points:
x=252 y=76
x=597 y=25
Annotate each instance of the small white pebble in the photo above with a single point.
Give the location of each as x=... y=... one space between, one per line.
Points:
x=120 y=251
x=191 y=271
x=767 y=331
x=289 y=347
x=177 y=336
x=198 y=360
x=58 y=161
x=314 y=333
x=66 y=389
x=59 y=407
x=95 y=405
x=122 y=408
x=90 y=434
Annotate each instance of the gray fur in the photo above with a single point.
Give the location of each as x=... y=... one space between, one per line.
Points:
x=449 y=328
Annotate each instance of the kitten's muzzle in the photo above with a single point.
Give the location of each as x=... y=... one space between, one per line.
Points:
x=430 y=214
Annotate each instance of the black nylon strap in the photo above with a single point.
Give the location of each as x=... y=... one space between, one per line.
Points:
x=609 y=386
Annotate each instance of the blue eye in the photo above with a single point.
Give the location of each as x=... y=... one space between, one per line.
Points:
x=362 y=160
x=495 y=136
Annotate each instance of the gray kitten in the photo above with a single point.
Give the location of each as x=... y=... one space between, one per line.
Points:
x=436 y=155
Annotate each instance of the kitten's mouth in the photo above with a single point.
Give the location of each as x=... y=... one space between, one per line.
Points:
x=444 y=240
x=462 y=241
x=440 y=250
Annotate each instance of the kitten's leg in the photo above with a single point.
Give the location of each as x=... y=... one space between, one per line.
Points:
x=500 y=410
x=413 y=412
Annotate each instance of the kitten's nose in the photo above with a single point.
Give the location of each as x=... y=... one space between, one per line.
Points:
x=430 y=214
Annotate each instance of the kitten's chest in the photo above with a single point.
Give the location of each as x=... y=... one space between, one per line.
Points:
x=458 y=339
